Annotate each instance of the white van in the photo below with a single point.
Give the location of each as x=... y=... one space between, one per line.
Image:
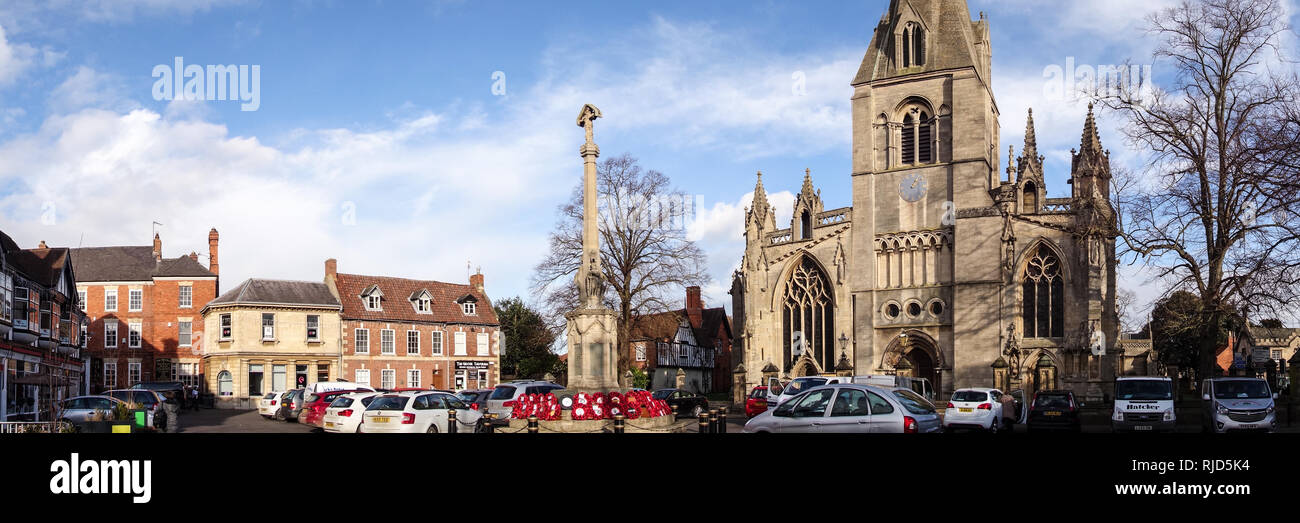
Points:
x=1143 y=404
x=330 y=386
x=920 y=386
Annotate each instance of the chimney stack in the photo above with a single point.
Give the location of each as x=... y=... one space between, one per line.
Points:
x=694 y=306
x=212 y=251
x=157 y=247
x=194 y=256
x=331 y=269
x=476 y=281
x=42 y=245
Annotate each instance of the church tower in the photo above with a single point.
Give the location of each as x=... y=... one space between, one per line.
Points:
x=924 y=137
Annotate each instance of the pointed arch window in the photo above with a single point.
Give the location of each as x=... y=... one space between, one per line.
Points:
x=913 y=45
x=1044 y=296
x=807 y=315
x=805 y=223
x=1030 y=200
x=918 y=143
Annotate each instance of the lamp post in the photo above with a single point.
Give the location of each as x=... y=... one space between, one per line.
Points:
x=843 y=367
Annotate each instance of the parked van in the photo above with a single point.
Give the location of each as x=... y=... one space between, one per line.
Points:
x=920 y=386
x=1143 y=404
x=1230 y=404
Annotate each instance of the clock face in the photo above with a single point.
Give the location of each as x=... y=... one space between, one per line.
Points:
x=913 y=186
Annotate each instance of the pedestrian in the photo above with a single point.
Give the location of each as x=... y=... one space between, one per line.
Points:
x=194 y=396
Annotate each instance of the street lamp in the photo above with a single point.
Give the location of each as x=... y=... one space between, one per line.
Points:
x=843 y=367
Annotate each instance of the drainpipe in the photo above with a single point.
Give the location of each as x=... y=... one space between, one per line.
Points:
x=4 y=389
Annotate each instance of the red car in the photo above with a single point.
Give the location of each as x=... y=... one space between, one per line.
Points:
x=313 y=413
x=756 y=403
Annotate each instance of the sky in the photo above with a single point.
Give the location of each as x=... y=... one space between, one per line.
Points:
x=429 y=139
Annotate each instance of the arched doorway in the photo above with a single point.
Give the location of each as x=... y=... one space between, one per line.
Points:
x=922 y=365
x=919 y=354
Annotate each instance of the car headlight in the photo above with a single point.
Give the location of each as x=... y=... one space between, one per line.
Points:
x=1218 y=407
x=1169 y=415
x=1117 y=416
x=1269 y=410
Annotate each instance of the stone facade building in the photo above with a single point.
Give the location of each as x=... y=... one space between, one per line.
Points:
x=399 y=332
x=694 y=339
x=941 y=268
x=144 y=312
x=269 y=335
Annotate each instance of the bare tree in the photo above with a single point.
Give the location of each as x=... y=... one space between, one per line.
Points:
x=1216 y=213
x=644 y=251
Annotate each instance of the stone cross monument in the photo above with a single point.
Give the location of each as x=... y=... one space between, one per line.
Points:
x=593 y=328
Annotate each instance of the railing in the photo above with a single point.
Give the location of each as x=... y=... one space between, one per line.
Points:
x=780 y=236
x=27 y=427
x=683 y=355
x=1057 y=205
x=834 y=216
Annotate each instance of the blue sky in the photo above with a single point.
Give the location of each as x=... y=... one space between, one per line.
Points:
x=379 y=139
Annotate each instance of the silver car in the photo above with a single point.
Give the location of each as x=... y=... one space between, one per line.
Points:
x=848 y=407
x=78 y=410
x=1232 y=404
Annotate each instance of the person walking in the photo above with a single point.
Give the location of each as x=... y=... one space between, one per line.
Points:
x=171 y=405
x=194 y=398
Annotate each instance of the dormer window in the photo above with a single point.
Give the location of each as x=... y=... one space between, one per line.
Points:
x=913 y=45
x=422 y=301
x=373 y=299
x=469 y=308
x=468 y=304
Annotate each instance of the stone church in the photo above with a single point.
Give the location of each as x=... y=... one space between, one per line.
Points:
x=943 y=268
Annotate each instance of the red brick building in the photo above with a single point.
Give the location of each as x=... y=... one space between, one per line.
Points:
x=399 y=332
x=143 y=312
x=694 y=339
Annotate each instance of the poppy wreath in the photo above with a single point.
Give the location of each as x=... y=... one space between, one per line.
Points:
x=581 y=407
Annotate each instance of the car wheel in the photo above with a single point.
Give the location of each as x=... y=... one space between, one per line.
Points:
x=433 y=429
x=993 y=426
x=479 y=426
x=695 y=413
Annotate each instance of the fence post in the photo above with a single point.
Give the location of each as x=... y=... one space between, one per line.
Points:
x=451 y=421
x=618 y=423
x=704 y=423
x=532 y=425
x=722 y=421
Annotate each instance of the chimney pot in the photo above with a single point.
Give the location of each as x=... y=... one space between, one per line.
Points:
x=42 y=245
x=476 y=281
x=157 y=247
x=331 y=268
x=213 y=238
x=194 y=256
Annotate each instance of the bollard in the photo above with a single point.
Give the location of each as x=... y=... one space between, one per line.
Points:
x=618 y=423
x=713 y=421
x=532 y=424
x=451 y=421
x=704 y=423
x=722 y=421
x=488 y=426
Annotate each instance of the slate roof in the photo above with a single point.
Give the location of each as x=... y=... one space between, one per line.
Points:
x=131 y=263
x=397 y=306
x=665 y=324
x=41 y=265
x=256 y=291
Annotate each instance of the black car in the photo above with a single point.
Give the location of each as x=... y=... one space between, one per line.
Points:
x=1054 y=409
x=684 y=403
x=291 y=405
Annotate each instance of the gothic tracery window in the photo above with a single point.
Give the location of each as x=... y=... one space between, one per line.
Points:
x=1044 y=296
x=807 y=315
x=917 y=145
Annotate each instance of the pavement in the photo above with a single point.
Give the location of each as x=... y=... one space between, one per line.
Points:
x=236 y=421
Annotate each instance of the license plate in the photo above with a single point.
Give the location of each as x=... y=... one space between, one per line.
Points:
x=965 y=410
x=329 y=423
x=1052 y=413
x=1142 y=427
x=1248 y=426
x=378 y=419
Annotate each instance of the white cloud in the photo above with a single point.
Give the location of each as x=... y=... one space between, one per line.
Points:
x=14 y=59
x=90 y=88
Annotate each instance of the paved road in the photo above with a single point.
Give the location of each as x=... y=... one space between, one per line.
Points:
x=235 y=421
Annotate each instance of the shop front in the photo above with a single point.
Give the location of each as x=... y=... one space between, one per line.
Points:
x=472 y=374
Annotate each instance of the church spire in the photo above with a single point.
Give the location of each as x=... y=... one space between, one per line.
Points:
x=807 y=181
x=1030 y=149
x=1091 y=140
x=758 y=210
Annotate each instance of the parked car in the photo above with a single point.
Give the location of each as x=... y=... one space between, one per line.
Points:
x=980 y=408
x=77 y=410
x=150 y=400
x=269 y=405
x=798 y=385
x=848 y=407
x=684 y=403
x=503 y=397
x=417 y=412
x=315 y=403
x=476 y=399
x=346 y=412
x=1143 y=404
x=290 y=405
x=1053 y=409
x=756 y=403
x=1238 y=404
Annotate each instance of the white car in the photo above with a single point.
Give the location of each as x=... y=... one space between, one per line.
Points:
x=269 y=404
x=346 y=412
x=979 y=408
x=418 y=411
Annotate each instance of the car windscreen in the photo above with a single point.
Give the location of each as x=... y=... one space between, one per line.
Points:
x=503 y=392
x=1144 y=390
x=759 y=393
x=1243 y=389
x=341 y=402
x=1052 y=401
x=970 y=395
x=913 y=402
x=270 y=395
x=802 y=384
x=389 y=403
x=662 y=394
